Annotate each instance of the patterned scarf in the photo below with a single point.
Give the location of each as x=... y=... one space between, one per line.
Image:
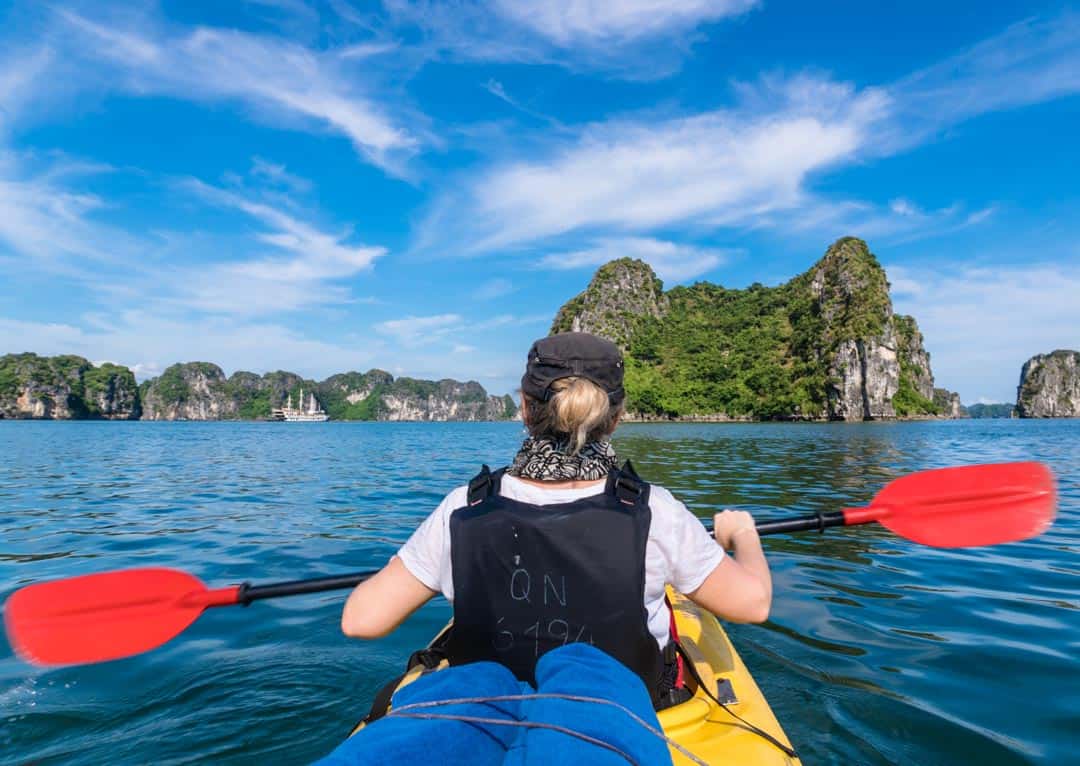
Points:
x=547 y=460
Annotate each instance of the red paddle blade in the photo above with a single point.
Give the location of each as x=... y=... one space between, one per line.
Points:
x=103 y=616
x=966 y=506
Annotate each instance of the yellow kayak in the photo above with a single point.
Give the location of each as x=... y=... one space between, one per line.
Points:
x=700 y=725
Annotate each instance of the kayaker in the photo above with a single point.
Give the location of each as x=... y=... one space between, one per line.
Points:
x=564 y=545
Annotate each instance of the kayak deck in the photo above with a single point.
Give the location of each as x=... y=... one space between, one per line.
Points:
x=700 y=725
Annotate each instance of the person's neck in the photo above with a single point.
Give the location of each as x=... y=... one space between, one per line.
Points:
x=571 y=484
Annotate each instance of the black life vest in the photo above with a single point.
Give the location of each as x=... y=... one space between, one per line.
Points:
x=529 y=578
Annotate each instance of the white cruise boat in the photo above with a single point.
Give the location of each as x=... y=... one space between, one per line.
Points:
x=313 y=414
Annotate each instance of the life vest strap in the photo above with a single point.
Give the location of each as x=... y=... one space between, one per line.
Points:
x=484 y=485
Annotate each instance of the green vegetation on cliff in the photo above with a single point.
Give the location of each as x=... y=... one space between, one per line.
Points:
x=908 y=400
x=760 y=352
x=65 y=386
x=622 y=295
x=994 y=410
x=354 y=395
x=718 y=351
x=200 y=391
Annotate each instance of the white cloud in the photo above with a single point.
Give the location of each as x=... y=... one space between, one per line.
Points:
x=672 y=262
x=277 y=174
x=494 y=288
x=901 y=221
x=902 y=207
x=722 y=166
x=19 y=71
x=51 y=223
x=301 y=276
x=602 y=22
x=368 y=50
x=1030 y=62
x=287 y=81
x=982 y=323
x=752 y=164
x=414 y=330
x=616 y=37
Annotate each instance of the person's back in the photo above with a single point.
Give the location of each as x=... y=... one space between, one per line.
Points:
x=565 y=546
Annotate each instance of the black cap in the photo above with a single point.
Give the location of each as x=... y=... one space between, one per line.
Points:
x=576 y=354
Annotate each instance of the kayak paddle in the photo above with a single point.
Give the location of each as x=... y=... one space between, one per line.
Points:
x=107 y=616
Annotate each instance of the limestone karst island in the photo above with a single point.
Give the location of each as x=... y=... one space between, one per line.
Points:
x=825 y=345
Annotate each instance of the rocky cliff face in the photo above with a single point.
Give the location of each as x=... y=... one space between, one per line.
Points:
x=66 y=387
x=355 y=387
x=620 y=294
x=948 y=404
x=189 y=391
x=376 y=395
x=877 y=364
x=1050 y=386
x=200 y=391
x=825 y=345
x=445 y=400
x=859 y=341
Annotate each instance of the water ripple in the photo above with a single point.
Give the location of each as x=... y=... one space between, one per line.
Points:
x=877 y=651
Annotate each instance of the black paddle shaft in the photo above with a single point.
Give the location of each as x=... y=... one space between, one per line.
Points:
x=818 y=521
x=249 y=593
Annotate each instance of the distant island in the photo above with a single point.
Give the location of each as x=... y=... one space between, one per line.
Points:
x=992 y=410
x=71 y=388
x=1050 y=386
x=825 y=345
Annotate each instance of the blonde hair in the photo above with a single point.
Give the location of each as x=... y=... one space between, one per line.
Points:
x=578 y=411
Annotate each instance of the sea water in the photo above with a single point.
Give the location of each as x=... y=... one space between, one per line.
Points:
x=878 y=651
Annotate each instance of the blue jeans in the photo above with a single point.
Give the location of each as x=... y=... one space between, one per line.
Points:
x=575 y=669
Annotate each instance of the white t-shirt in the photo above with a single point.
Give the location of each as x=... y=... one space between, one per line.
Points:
x=679 y=551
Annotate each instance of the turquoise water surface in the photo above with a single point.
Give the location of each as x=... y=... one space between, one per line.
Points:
x=878 y=651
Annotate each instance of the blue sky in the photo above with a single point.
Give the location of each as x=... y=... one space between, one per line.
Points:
x=275 y=184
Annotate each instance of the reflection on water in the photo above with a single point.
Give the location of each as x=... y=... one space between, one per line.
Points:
x=877 y=651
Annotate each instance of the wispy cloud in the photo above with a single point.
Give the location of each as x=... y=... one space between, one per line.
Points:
x=277 y=174
x=1033 y=61
x=594 y=34
x=51 y=220
x=301 y=268
x=414 y=330
x=498 y=90
x=982 y=323
x=19 y=70
x=282 y=79
x=672 y=261
x=50 y=223
x=598 y=22
x=494 y=288
x=751 y=164
x=898 y=222
x=634 y=175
